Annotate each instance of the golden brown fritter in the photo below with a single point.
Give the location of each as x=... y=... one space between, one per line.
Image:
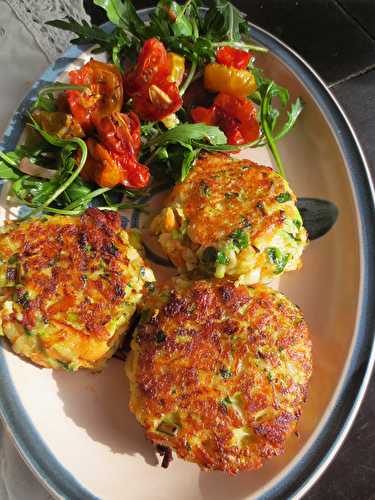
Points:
x=218 y=372
x=70 y=285
x=232 y=217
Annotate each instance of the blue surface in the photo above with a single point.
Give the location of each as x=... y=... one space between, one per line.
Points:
x=31 y=444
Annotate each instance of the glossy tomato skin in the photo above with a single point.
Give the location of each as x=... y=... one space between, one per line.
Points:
x=240 y=110
x=236 y=58
x=204 y=115
x=236 y=116
x=148 y=83
x=152 y=67
x=103 y=95
x=158 y=102
x=100 y=167
x=120 y=132
x=108 y=169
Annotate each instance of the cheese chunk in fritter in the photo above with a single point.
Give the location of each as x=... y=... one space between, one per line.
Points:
x=232 y=217
x=70 y=286
x=218 y=372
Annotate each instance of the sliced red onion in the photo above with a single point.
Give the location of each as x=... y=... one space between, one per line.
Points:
x=28 y=167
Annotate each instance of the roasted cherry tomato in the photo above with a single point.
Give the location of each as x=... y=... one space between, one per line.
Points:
x=204 y=115
x=152 y=67
x=232 y=81
x=57 y=123
x=100 y=167
x=154 y=95
x=103 y=95
x=236 y=116
x=177 y=68
x=158 y=102
x=243 y=114
x=236 y=58
x=120 y=133
x=110 y=169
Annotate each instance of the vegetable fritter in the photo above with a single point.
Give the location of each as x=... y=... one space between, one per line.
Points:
x=219 y=372
x=70 y=286
x=232 y=217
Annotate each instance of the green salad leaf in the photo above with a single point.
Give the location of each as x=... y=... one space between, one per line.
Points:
x=187 y=134
x=224 y=21
x=122 y=13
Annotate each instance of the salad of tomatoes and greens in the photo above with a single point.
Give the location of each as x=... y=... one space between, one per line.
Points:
x=182 y=82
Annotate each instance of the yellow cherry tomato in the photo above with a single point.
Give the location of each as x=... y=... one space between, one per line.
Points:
x=177 y=65
x=228 y=80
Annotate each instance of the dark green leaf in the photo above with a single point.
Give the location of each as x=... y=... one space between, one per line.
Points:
x=187 y=133
x=188 y=161
x=224 y=21
x=122 y=13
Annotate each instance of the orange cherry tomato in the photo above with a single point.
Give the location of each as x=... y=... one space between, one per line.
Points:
x=103 y=95
x=236 y=58
x=110 y=169
x=100 y=167
x=152 y=67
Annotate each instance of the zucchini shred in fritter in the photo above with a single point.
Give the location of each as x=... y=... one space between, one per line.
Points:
x=70 y=286
x=219 y=372
x=232 y=217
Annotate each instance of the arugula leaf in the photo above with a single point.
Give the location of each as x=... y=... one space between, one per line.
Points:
x=189 y=160
x=7 y=172
x=68 y=172
x=113 y=42
x=188 y=133
x=295 y=110
x=122 y=13
x=224 y=21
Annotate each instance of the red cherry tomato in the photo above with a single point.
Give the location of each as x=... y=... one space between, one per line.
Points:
x=236 y=116
x=237 y=112
x=204 y=115
x=154 y=97
x=103 y=95
x=152 y=67
x=158 y=102
x=120 y=133
x=236 y=58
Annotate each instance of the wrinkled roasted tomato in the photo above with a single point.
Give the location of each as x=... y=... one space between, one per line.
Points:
x=236 y=58
x=120 y=133
x=152 y=67
x=158 y=102
x=154 y=96
x=103 y=95
x=236 y=116
x=108 y=169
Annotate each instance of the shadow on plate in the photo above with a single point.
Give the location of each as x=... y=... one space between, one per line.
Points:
x=98 y=403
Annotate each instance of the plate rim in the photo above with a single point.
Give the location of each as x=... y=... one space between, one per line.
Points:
x=302 y=475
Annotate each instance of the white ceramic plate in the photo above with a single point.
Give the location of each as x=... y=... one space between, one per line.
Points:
x=75 y=431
